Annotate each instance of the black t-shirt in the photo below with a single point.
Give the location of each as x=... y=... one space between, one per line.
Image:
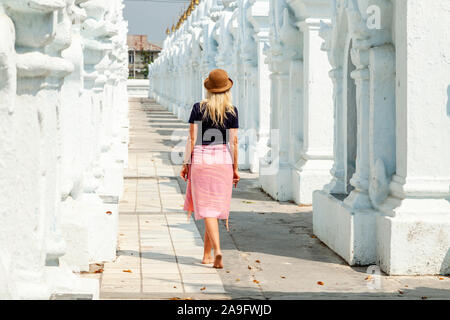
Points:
x=210 y=133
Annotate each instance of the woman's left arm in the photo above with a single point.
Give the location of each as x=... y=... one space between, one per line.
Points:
x=234 y=148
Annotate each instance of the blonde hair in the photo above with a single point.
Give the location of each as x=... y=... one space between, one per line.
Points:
x=216 y=106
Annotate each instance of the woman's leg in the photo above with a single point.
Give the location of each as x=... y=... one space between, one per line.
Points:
x=212 y=228
x=207 y=258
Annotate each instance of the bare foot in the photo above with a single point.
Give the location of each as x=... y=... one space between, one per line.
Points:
x=207 y=260
x=218 y=263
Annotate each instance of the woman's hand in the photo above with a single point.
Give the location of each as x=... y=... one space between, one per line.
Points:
x=184 y=172
x=236 y=178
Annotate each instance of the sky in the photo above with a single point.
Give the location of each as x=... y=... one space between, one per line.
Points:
x=152 y=17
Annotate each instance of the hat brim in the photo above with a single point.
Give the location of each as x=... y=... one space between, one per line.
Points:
x=218 y=90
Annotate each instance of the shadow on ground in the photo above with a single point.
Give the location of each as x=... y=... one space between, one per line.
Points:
x=271 y=253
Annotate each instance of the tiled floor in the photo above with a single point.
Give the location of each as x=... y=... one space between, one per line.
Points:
x=270 y=251
x=159 y=251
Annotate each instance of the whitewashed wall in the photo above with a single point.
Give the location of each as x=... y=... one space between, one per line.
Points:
x=63 y=142
x=356 y=124
x=388 y=200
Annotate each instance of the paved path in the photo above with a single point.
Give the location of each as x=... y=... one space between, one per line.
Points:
x=269 y=253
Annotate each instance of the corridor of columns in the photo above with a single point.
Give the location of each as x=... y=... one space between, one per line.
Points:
x=270 y=251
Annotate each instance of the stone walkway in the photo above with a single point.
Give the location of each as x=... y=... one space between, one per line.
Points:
x=269 y=253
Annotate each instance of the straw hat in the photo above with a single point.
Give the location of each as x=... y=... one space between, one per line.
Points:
x=218 y=81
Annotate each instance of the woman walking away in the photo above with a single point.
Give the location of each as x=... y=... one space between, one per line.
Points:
x=211 y=160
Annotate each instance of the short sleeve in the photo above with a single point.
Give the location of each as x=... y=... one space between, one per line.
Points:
x=195 y=114
x=234 y=121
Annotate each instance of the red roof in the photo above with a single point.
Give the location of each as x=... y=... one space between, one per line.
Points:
x=140 y=42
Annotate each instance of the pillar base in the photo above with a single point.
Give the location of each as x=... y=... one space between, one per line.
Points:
x=54 y=282
x=414 y=238
x=74 y=226
x=63 y=282
x=277 y=185
x=348 y=232
x=102 y=227
x=254 y=160
x=256 y=154
x=244 y=163
x=313 y=175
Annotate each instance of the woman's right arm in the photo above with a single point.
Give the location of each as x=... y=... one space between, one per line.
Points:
x=190 y=143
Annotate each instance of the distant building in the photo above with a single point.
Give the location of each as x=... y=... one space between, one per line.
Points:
x=140 y=54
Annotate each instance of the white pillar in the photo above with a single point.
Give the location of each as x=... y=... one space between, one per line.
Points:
x=311 y=170
x=414 y=224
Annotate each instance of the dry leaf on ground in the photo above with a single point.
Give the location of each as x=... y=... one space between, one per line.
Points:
x=128 y=270
x=320 y=283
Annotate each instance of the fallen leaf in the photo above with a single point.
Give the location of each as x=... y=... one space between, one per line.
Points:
x=320 y=283
x=174 y=286
x=406 y=286
x=175 y=298
x=98 y=271
x=108 y=212
x=368 y=278
x=257 y=261
x=237 y=280
x=128 y=270
x=441 y=278
x=249 y=268
x=283 y=277
x=424 y=298
x=202 y=289
x=228 y=271
x=247 y=201
x=313 y=236
x=256 y=281
x=400 y=291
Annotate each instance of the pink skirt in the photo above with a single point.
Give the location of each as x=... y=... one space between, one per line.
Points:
x=210 y=182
